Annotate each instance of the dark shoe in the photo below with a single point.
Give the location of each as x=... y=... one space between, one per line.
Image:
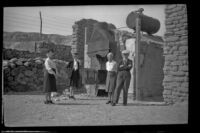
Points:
x=46 y=102
x=124 y=104
x=51 y=102
x=72 y=97
x=108 y=102
x=113 y=104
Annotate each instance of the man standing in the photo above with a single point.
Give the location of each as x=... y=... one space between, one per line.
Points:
x=75 y=75
x=123 y=78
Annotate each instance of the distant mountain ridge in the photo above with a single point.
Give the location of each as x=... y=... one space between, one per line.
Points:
x=26 y=40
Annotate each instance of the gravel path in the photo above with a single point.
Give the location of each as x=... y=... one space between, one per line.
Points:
x=29 y=110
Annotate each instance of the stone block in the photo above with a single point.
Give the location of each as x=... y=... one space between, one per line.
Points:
x=177 y=73
x=181 y=32
x=167 y=92
x=28 y=73
x=170 y=6
x=183 y=57
x=170 y=26
x=182 y=89
x=12 y=65
x=185 y=84
x=19 y=62
x=176 y=63
x=183 y=20
x=170 y=57
x=183 y=48
x=183 y=68
x=168 y=79
x=179 y=79
x=171 y=39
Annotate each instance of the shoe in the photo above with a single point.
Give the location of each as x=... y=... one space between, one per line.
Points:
x=124 y=104
x=108 y=102
x=113 y=104
x=51 y=102
x=46 y=102
x=72 y=97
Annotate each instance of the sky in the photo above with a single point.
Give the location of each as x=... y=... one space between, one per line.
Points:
x=59 y=19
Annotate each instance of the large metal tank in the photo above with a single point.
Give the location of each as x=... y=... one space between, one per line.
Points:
x=148 y=24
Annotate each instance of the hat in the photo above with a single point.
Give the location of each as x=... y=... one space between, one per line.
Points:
x=125 y=52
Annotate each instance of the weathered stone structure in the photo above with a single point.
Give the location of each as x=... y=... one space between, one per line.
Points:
x=176 y=54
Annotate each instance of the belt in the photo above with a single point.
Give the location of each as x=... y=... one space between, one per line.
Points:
x=111 y=71
x=124 y=71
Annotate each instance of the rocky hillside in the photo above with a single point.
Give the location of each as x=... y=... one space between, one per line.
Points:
x=26 y=41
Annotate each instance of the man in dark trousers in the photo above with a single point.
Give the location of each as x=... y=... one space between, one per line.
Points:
x=75 y=74
x=123 y=78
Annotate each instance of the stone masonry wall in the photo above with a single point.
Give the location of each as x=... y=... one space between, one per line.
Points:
x=62 y=52
x=13 y=53
x=23 y=74
x=176 y=54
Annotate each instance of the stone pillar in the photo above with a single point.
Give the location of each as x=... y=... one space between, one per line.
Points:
x=176 y=54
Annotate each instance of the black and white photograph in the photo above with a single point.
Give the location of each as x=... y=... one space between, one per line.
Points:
x=95 y=65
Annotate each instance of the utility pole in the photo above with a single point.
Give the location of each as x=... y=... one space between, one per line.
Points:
x=40 y=31
x=85 y=62
x=137 y=51
x=40 y=24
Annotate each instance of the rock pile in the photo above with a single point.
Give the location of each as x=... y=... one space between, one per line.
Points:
x=27 y=74
x=176 y=54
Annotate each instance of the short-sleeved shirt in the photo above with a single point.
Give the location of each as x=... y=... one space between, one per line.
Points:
x=111 y=66
x=49 y=64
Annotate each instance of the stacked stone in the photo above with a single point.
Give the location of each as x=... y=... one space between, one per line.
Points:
x=61 y=52
x=176 y=54
x=13 y=53
x=27 y=74
x=23 y=74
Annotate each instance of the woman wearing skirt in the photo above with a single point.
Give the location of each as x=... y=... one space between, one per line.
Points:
x=49 y=77
x=111 y=67
x=75 y=75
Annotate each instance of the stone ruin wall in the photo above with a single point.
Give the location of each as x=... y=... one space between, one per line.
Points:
x=78 y=40
x=21 y=74
x=176 y=54
x=62 y=52
x=24 y=71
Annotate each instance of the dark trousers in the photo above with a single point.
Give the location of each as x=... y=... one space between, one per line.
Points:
x=123 y=81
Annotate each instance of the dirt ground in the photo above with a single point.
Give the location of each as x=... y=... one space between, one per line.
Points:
x=29 y=110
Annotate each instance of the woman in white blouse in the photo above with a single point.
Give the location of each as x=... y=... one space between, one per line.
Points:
x=111 y=67
x=49 y=77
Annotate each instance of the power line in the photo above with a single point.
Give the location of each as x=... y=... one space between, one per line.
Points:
x=32 y=19
x=37 y=25
x=57 y=17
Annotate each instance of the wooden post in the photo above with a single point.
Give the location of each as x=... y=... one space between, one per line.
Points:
x=137 y=53
x=40 y=23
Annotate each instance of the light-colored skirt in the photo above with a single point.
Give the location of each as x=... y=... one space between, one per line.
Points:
x=111 y=81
